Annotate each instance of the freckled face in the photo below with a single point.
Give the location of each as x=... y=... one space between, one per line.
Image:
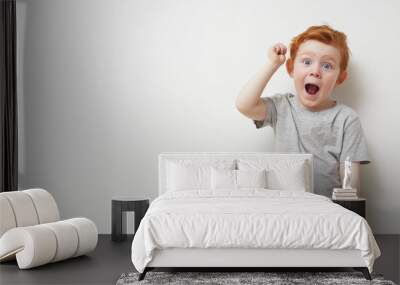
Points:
x=315 y=72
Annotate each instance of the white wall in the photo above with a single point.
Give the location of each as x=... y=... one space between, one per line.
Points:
x=105 y=86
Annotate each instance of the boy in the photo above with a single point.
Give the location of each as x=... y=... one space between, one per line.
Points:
x=311 y=121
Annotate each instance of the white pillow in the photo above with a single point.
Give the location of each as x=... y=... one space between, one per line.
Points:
x=292 y=178
x=282 y=174
x=251 y=178
x=186 y=174
x=237 y=179
x=223 y=179
x=183 y=177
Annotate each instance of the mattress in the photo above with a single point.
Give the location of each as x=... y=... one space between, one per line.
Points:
x=252 y=219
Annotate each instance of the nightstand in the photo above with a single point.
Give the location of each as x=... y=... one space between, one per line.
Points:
x=356 y=205
x=119 y=207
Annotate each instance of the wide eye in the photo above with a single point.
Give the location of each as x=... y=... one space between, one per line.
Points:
x=307 y=61
x=327 y=66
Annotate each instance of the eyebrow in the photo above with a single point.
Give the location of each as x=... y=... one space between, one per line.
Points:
x=329 y=58
x=313 y=54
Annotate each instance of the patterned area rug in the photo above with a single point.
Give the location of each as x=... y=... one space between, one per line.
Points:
x=273 y=278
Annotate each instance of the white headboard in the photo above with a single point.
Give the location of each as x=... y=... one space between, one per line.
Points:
x=164 y=157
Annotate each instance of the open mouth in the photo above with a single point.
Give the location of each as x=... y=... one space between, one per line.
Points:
x=311 y=89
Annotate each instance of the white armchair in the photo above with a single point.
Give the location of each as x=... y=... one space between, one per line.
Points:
x=31 y=230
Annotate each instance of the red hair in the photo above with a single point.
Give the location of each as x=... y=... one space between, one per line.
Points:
x=326 y=35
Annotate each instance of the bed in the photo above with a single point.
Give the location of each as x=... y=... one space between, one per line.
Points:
x=246 y=210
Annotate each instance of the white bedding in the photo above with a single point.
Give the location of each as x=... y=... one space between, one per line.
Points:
x=250 y=218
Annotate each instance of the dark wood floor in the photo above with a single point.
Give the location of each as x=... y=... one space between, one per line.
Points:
x=111 y=259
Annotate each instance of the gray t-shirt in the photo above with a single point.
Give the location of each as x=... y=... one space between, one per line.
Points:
x=330 y=135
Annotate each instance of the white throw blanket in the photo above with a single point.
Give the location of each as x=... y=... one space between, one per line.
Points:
x=250 y=218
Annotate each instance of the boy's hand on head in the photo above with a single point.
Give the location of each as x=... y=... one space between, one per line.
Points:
x=276 y=54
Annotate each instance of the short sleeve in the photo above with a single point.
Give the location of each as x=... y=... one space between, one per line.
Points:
x=354 y=143
x=271 y=117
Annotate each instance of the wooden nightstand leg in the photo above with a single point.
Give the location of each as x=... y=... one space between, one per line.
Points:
x=118 y=222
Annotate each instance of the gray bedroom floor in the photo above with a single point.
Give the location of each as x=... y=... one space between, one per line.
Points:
x=111 y=259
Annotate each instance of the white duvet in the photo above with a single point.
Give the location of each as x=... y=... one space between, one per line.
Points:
x=250 y=218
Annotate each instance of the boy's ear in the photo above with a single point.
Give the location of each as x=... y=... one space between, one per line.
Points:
x=342 y=77
x=289 y=67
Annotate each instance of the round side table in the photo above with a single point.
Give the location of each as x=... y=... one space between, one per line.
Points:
x=119 y=206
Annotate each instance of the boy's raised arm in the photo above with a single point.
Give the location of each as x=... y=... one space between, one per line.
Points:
x=248 y=101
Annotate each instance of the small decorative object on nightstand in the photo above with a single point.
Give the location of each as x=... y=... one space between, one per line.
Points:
x=347 y=192
x=356 y=205
x=347 y=195
x=121 y=205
